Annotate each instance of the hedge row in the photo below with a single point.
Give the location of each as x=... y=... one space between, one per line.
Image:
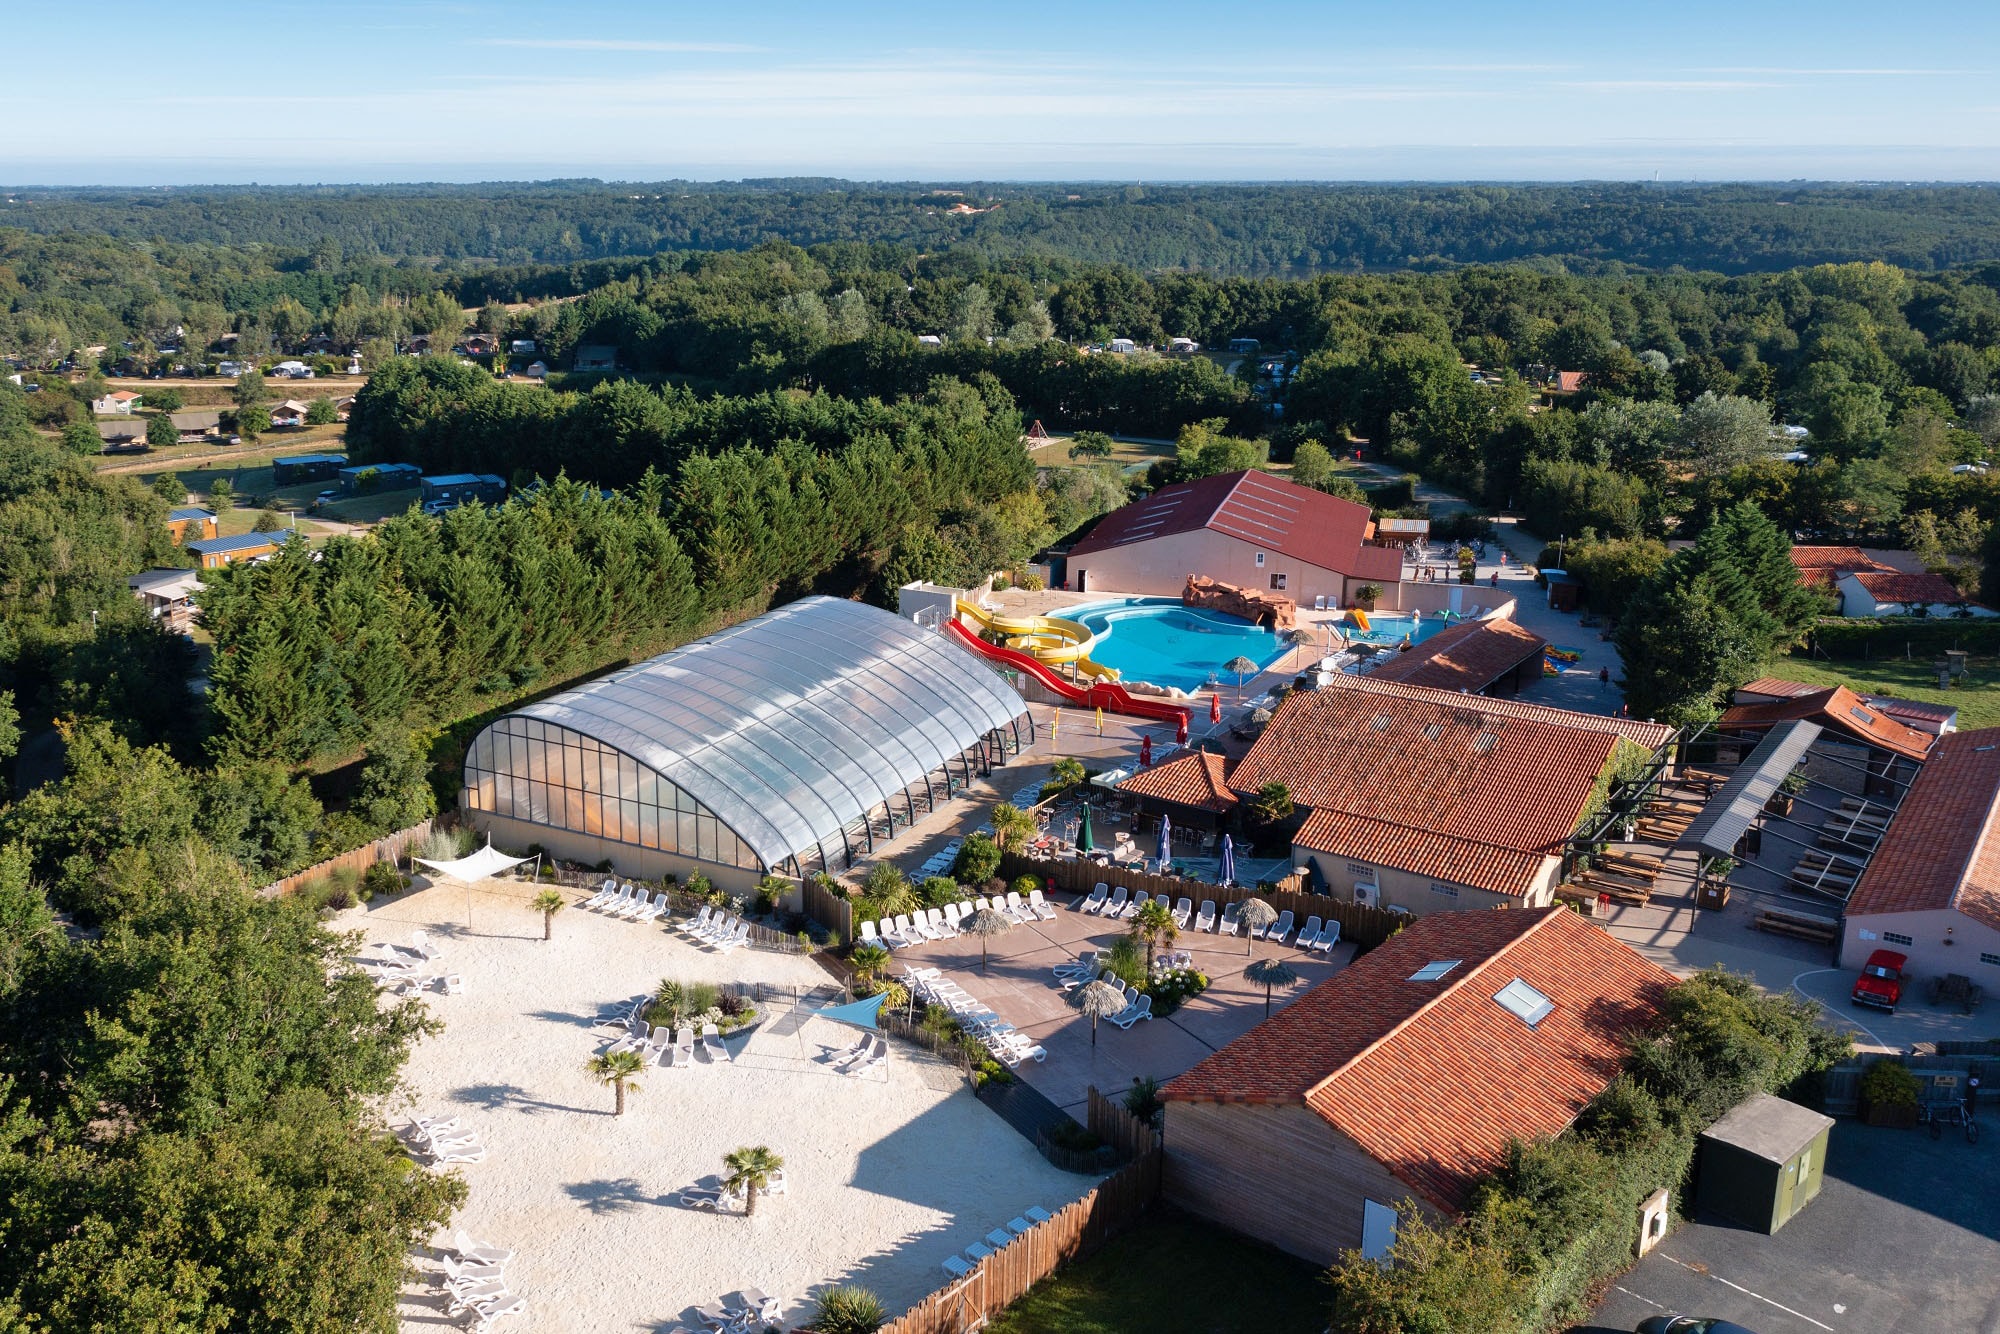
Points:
x=1920 y=637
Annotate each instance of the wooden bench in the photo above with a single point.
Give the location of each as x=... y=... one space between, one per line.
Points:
x=1618 y=891
x=1799 y=925
x=1636 y=865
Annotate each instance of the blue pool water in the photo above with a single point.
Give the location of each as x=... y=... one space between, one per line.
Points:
x=1159 y=640
x=1391 y=628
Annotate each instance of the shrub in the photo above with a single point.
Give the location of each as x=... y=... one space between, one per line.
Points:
x=938 y=890
x=1143 y=1100
x=1067 y=1134
x=381 y=878
x=1025 y=885
x=849 y=1310
x=1173 y=988
x=1889 y=1084
x=978 y=860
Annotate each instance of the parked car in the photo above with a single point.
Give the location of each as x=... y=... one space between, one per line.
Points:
x=325 y=496
x=1881 y=980
x=1687 y=1324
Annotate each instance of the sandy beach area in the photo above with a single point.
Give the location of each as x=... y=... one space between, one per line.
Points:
x=887 y=1175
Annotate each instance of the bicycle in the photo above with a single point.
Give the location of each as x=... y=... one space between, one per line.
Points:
x=1939 y=1115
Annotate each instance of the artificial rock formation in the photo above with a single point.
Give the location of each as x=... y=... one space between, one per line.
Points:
x=1273 y=611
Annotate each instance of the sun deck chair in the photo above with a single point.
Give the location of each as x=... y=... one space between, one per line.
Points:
x=1095 y=903
x=451 y=984
x=711 y=1042
x=1280 y=928
x=484 y=1252
x=857 y=1051
x=471 y=1296
x=1329 y=935
x=1036 y=1214
x=1086 y=963
x=701 y=1197
x=869 y=935
x=945 y=929
x=999 y=1239
x=956 y=913
x=611 y=903
x=657 y=908
x=1308 y=934
x=474 y=1154
x=895 y=933
x=694 y=924
x=1017 y=908
x=735 y=938
x=1205 y=919
x=957 y=1267
x=1041 y=907
x=684 y=1046
x=718 y=926
x=1020 y=1227
x=1116 y=907
x=1232 y=917
x=633 y=906
x=1139 y=900
x=603 y=894
x=458 y=1270
x=978 y=1252
x=420 y=943
x=490 y=1317
x=1183 y=909
x=715 y=1316
x=1133 y=1013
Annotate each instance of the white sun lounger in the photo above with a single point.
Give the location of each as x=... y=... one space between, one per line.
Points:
x=1095 y=903
x=1308 y=934
x=1205 y=919
x=634 y=908
x=467 y=1296
x=1280 y=928
x=420 y=944
x=1232 y=917
x=684 y=1046
x=711 y=1042
x=1139 y=900
x=1329 y=935
x=483 y=1251
x=476 y=1154
x=603 y=895
x=1133 y=1013
x=857 y=1051
x=694 y=924
x=488 y=1317
x=649 y=911
x=617 y=899
x=1183 y=909
x=870 y=936
x=737 y=937
x=471 y=1270
x=1116 y=906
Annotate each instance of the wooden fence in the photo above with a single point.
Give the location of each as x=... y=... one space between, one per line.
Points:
x=1942 y=1076
x=1072 y=1233
x=389 y=847
x=1365 y=926
x=828 y=909
x=1124 y=1132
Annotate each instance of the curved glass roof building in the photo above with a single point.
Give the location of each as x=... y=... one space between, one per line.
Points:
x=790 y=743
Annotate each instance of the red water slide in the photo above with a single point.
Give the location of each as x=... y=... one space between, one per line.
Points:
x=1106 y=695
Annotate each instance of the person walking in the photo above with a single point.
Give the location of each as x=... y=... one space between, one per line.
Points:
x=1603 y=678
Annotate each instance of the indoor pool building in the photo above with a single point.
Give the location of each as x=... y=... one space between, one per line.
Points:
x=794 y=742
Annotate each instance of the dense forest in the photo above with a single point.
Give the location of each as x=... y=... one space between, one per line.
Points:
x=1295 y=230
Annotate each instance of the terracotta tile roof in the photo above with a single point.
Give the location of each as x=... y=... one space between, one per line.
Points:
x=1772 y=689
x=1254 y=506
x=1433 y=1078
x=1446 y=765
x=1839 y=708
x=1568 y=382
x=1471 y=656
x=1195 y=779
x=1941 y=850
x=1461 y=861
x=1897 y=586
x=1636 y=730
x=1925 y=717
x=1817 y=566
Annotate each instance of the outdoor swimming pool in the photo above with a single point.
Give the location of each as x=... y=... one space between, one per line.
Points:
x=1159 y=640
x=1394 y=628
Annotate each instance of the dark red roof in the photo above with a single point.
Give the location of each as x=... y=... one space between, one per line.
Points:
x=1460 y=861
x=1836 y=707
x=1445 y=764
x=1471 y=656
x=1254 y=506
x=1195 y=779
x=1817 y=566
x=1898 y=586
x=1433 y=1078
x=1940 y=851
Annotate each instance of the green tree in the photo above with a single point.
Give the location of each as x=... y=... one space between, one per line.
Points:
x=269 y=521
x=221 y=496
x=620 y=1070
x=978 y=860
x=1718 y=433
x=249 y=391
x=1312 y=465
x=1272 y=805
x=971 y=317
x=322 y=412
x=548 y=903
x=160 y=433
x=81 y=437
x=1440 y=1279
x=10 y=727
x=887 y=890
x=1012 y=826
x=393 y=790
x=252 y=422
x=1680 y=650
x=165 y=400
x=867 y=961
x=749 y=1171
x=170 y=489
x=1153 y=924
x=1090 y=444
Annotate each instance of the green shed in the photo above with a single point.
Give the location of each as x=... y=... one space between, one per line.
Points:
x=1763 y=1162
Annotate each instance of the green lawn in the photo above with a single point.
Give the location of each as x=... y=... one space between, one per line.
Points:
x=1176 y=1275
x=1977 y=702
x=1125 y=454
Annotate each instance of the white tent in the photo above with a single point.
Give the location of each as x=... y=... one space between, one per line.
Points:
x=487 y=861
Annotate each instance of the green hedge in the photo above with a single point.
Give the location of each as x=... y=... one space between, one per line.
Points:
x=1922 y=637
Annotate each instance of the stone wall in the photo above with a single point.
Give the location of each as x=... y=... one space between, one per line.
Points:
x=1273 y=611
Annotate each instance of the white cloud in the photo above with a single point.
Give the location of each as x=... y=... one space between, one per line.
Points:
x=616 y=44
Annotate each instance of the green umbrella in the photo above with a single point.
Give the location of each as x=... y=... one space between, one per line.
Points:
x=1084 y=842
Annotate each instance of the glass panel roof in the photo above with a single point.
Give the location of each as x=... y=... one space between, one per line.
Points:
x=795 y=724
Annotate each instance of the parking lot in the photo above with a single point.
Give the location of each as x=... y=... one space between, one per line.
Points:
x=1903 y=1239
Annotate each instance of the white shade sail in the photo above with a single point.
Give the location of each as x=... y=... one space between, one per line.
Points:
x=488 y=861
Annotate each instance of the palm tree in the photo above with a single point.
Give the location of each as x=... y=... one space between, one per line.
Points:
x=620 y=1069
x=548 y=903
x=1255 y=916
x=1100 y=1000
x=1154 y=924
x=750 y=1170
x=986 y=924
x=867 y=961
x=1272 y=973
x=1012 y=826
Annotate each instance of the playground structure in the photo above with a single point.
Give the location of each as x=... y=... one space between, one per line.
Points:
x=1063 y=642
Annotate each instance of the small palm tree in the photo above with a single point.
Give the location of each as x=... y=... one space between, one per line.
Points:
x=620 y=1069
x=986 y=924
x=1271 y=973
x=548 y=903
x=1012 y=826
x=867 y=961
x=751 y=1170
x=1154 y=924
x=1255 y=916
x=1100 y=1000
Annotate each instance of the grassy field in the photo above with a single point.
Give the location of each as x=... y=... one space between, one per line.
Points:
x=1127 y=454
x=196 y=459
x=1977 y=701
x=1175 y=1275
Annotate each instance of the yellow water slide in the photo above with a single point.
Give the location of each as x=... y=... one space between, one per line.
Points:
x=1051 y=639
x=1360 y=618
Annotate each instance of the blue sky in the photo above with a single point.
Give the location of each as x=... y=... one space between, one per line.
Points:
x=283 y=92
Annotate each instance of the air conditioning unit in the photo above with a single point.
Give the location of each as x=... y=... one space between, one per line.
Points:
x=1367 y=894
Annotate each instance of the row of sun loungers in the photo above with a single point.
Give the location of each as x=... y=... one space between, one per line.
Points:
x=717 y=929
x=1008 y=1044
x=941 y=861
x=961 y=1266
x=751 y=1311
x=476 y=1277
x=1315 y=935
x=720 y=1199
x=869 y=1053
x=669 y=1049
x=442 y=1141
x=1085 y=970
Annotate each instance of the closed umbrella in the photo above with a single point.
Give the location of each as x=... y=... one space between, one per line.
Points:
x=1146 y=751
x=1166 y=832
x=1215 y=708
x=1084 y=842
x=1181 y=731
x=1228 y=860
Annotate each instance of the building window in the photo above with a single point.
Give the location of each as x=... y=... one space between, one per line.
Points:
x=1277 y=581
x=1260 y=560
x=1993 y=959
x=1449 y=891
x=1894 y=939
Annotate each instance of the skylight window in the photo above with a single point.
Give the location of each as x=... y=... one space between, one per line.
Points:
x=1862 y=714
x=1484 y=742
x=1524 y=1002
x=1434 y=970
x=1381 y=723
